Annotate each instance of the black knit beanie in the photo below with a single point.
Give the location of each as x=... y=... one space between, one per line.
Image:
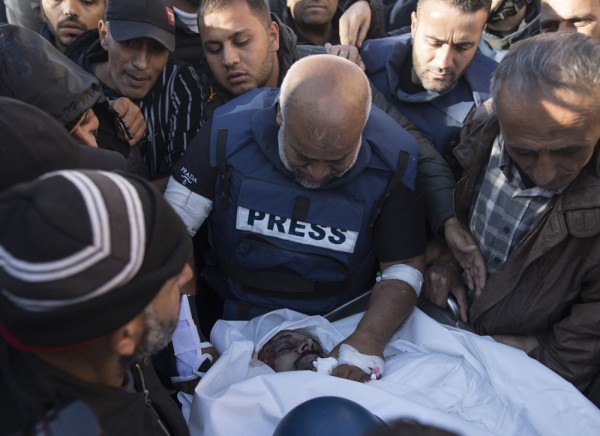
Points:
x=81 y=254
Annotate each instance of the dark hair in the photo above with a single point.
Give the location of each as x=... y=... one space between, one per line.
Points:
x=260 y=8
x=466 y=6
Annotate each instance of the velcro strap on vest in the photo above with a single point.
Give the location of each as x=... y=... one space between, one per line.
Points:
x=272 y=283
x=223 y=171
x=392 y=186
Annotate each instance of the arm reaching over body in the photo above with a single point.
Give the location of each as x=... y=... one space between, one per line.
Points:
x=392 y=300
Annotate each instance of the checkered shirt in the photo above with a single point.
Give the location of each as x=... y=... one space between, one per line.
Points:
x=504 y=210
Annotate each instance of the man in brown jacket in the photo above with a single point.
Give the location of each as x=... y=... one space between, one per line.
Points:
x=530 y=195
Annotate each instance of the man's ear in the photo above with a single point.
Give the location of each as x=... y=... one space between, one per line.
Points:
x=103 y=33
x=273 y=33
x=125 y=339
x=413 y=23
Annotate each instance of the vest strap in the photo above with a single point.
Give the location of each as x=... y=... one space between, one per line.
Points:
x=392 y=186
x=223 y=170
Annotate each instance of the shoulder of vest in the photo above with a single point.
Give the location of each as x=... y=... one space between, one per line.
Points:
x=479 y=73
x=375 y=52
x=234 y=116
x=256 y=99
x=389 y=142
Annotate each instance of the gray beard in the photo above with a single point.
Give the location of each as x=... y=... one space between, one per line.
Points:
x=155 y=337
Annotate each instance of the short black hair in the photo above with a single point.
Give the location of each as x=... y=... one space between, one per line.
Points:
x=260 y=8
x=466 y=6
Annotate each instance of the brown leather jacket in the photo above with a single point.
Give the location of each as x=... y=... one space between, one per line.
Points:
x=550 y=284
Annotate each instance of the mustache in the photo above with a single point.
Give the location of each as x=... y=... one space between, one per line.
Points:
x=71 y=21
x=298 y=364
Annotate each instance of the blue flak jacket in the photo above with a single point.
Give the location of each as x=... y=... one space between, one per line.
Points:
x=277 y=244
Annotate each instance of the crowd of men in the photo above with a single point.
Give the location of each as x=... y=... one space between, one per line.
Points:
x=265 y=155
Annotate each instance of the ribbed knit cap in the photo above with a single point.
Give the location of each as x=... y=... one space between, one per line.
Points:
x=81 y=254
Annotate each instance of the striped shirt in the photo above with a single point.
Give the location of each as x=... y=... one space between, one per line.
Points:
x=174 y=112
x=505 y=209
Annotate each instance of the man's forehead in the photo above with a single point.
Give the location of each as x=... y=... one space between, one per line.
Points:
x=281 y=334
x=221 y=34
x=237 y=15
x=571 y=9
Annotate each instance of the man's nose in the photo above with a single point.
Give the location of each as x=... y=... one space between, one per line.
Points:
x=70 y=8
x=142 y=58
x=443 y=57
x=306 y=344
x=230 y=56
x=318 y=171
x=544 y=173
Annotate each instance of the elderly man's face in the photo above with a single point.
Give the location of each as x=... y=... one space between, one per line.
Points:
x=159 y=318
x=133 y=66
x=551 y=139
x=291 y=351
x=67 y=19
x=322 y=152
x=581 y=16
x=444 y=42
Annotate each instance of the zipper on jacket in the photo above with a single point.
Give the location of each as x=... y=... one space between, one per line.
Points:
x=148 y=401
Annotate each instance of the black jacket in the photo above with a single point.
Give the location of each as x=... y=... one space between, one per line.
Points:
x=30 y=388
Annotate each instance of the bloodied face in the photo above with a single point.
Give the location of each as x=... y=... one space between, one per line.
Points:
x=291 y=351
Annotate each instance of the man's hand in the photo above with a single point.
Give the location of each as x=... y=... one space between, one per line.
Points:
x=347 y=52
x=354 y=24
x=350 y=372
x=522 y=342
x=465 y=250
x=131 y=120
x=365 y=345
x=212 y=351
x=442 y=279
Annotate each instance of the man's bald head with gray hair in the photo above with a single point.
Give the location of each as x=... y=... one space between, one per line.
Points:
x=326 y=86
x=324 y=105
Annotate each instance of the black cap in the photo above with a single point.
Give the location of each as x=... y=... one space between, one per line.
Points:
x=83 y=253
x=130 y=19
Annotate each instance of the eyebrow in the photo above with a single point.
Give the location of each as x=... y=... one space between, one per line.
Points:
x=234 y=35
x=444 y=41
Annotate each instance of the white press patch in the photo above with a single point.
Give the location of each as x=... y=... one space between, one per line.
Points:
x=296 y=231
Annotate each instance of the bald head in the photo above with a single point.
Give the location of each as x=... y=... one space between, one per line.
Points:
x=324 y=104
x=327 y=89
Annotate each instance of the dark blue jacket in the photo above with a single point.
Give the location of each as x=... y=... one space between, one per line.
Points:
x=439 y=116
